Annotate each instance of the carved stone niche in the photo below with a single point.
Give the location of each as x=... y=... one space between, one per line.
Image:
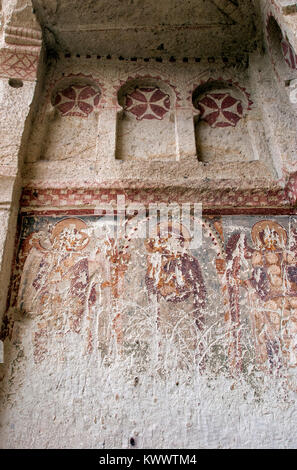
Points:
x=283 y=56
x=69 y=127
x=221 y=130
x=146 y=123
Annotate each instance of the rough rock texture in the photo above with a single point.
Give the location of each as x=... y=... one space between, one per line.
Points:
x=118 y=119
x=149 y=28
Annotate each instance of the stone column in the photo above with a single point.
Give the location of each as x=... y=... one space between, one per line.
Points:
x=185 y=133
x=20 y=47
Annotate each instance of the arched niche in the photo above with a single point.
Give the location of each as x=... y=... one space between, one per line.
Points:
x=71 y=120
x=221 y=131
x=146 y=123
x=283 y=56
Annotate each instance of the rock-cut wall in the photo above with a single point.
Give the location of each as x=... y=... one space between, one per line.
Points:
x=148 y=238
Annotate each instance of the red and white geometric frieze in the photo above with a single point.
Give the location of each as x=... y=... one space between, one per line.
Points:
x=21 y=65
x=46 y=199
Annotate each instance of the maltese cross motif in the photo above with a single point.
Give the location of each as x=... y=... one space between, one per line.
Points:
x=77 y=100
x=289 y=54
x=147 y=103
x=220 y=109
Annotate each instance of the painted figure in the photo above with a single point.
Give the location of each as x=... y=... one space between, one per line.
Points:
x=54 y=287
x=175 y=284
x=118 y=260
x=272 y=294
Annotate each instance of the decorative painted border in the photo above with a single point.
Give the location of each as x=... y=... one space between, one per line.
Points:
x=18 y=64
x=139 y=76
x=54 y=83
x=235 y=84
x=20 y=55
x=227 y=200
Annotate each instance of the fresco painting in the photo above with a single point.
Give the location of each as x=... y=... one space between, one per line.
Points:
x=229 y=305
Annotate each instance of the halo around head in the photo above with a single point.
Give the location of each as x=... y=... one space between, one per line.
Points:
x=71 y=224
x=172 y=229
x=269 y=234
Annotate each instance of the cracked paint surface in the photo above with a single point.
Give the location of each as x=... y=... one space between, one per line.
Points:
x=118 y=332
